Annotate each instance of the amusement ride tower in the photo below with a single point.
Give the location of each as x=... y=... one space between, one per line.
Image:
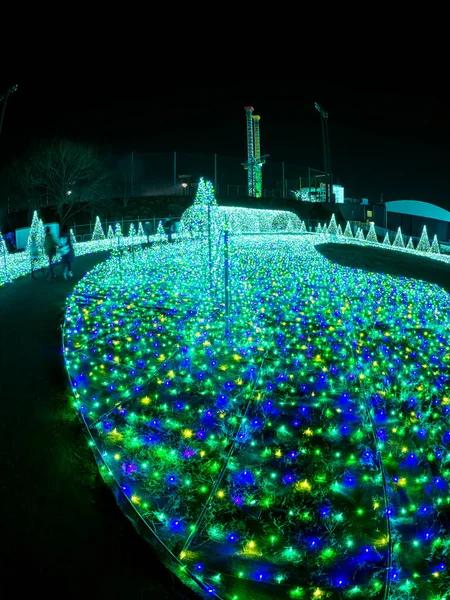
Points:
x=254 y=159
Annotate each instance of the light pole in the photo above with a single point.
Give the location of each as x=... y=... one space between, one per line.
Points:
x=5 y=97
x=322 y=174
x=326 y=152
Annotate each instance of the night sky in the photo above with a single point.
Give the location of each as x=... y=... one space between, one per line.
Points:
x=390 y=138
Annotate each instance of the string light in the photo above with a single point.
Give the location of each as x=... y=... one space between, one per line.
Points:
x=301 y=443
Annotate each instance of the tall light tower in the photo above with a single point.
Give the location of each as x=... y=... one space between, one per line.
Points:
x=255 y=160
x=250 y=164
x=5 y=97
x=258 y=162
x=326 y=153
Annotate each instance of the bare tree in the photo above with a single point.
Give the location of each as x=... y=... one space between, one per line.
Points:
x=70 y=174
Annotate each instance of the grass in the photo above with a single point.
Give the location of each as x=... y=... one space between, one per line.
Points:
x=392 y=262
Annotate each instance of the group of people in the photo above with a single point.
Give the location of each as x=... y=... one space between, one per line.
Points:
x=66 y=249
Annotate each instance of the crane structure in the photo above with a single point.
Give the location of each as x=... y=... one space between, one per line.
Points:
x=326 y=153
x=255 y=160
x=4 y=97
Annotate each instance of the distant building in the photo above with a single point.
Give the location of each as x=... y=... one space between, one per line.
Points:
x=319 y=194
x=412 y=215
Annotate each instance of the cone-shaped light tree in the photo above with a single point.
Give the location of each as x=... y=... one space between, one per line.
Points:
x=302 y=227
x=98 y=233
x=410 y=245
x=141 y=232
x=386 y=241
x=332 y=227
x=132 y=231
x=74 y=242
x=398 y=242
x=110 y=233
x=371 y=235
x=424 y=242
x=339 y=230
x=435 y=246
x=35 y=242
x=205 y=194
x=348 y=231
x=3 y=248
x=161 y=236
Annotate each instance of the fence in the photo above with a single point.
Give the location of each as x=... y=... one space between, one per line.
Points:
x=84 y=231
x=177 y=173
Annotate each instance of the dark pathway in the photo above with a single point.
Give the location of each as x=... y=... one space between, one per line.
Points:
x=61 y=534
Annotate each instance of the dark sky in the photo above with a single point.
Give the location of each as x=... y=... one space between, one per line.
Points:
x=390 y=138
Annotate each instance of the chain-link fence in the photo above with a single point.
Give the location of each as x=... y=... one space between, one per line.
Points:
x=177 y=173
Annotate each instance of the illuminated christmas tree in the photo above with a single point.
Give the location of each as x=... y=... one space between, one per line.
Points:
x=398 y=242
x=110 y=233
x=410 y=245
x=182 y=234
x=141 y=232
x=339 y=230
x=118 y=230
x=132 y=231
x=161 y=236
x=386 y=241
x=205 y=194
x=73 y=239
x=203 y=212
x=332 y=227
x=302 y=227
x=36 y=236
x=371 y=235
x=359 y=235
x=424 y=242
x=98 y=233
x=435 y=246
x=3 y=247
x=348 y=231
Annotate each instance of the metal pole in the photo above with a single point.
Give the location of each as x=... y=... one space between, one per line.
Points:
x=226 y=276
x=325 y=155
x=309 y=183
x=209 y=248
x=3 y=110
x=330 y=174
x=174 y=173
x=132 y=174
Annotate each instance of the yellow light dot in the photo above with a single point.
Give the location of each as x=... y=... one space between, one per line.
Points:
x=187 y=433
x=117 y=456
x=146 y=400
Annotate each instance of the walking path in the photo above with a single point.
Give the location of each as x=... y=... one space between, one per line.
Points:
x=61 y=531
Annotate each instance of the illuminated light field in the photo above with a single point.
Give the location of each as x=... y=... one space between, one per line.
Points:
x=306 y=453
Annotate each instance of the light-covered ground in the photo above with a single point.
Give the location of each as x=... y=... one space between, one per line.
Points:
x=297 y=448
